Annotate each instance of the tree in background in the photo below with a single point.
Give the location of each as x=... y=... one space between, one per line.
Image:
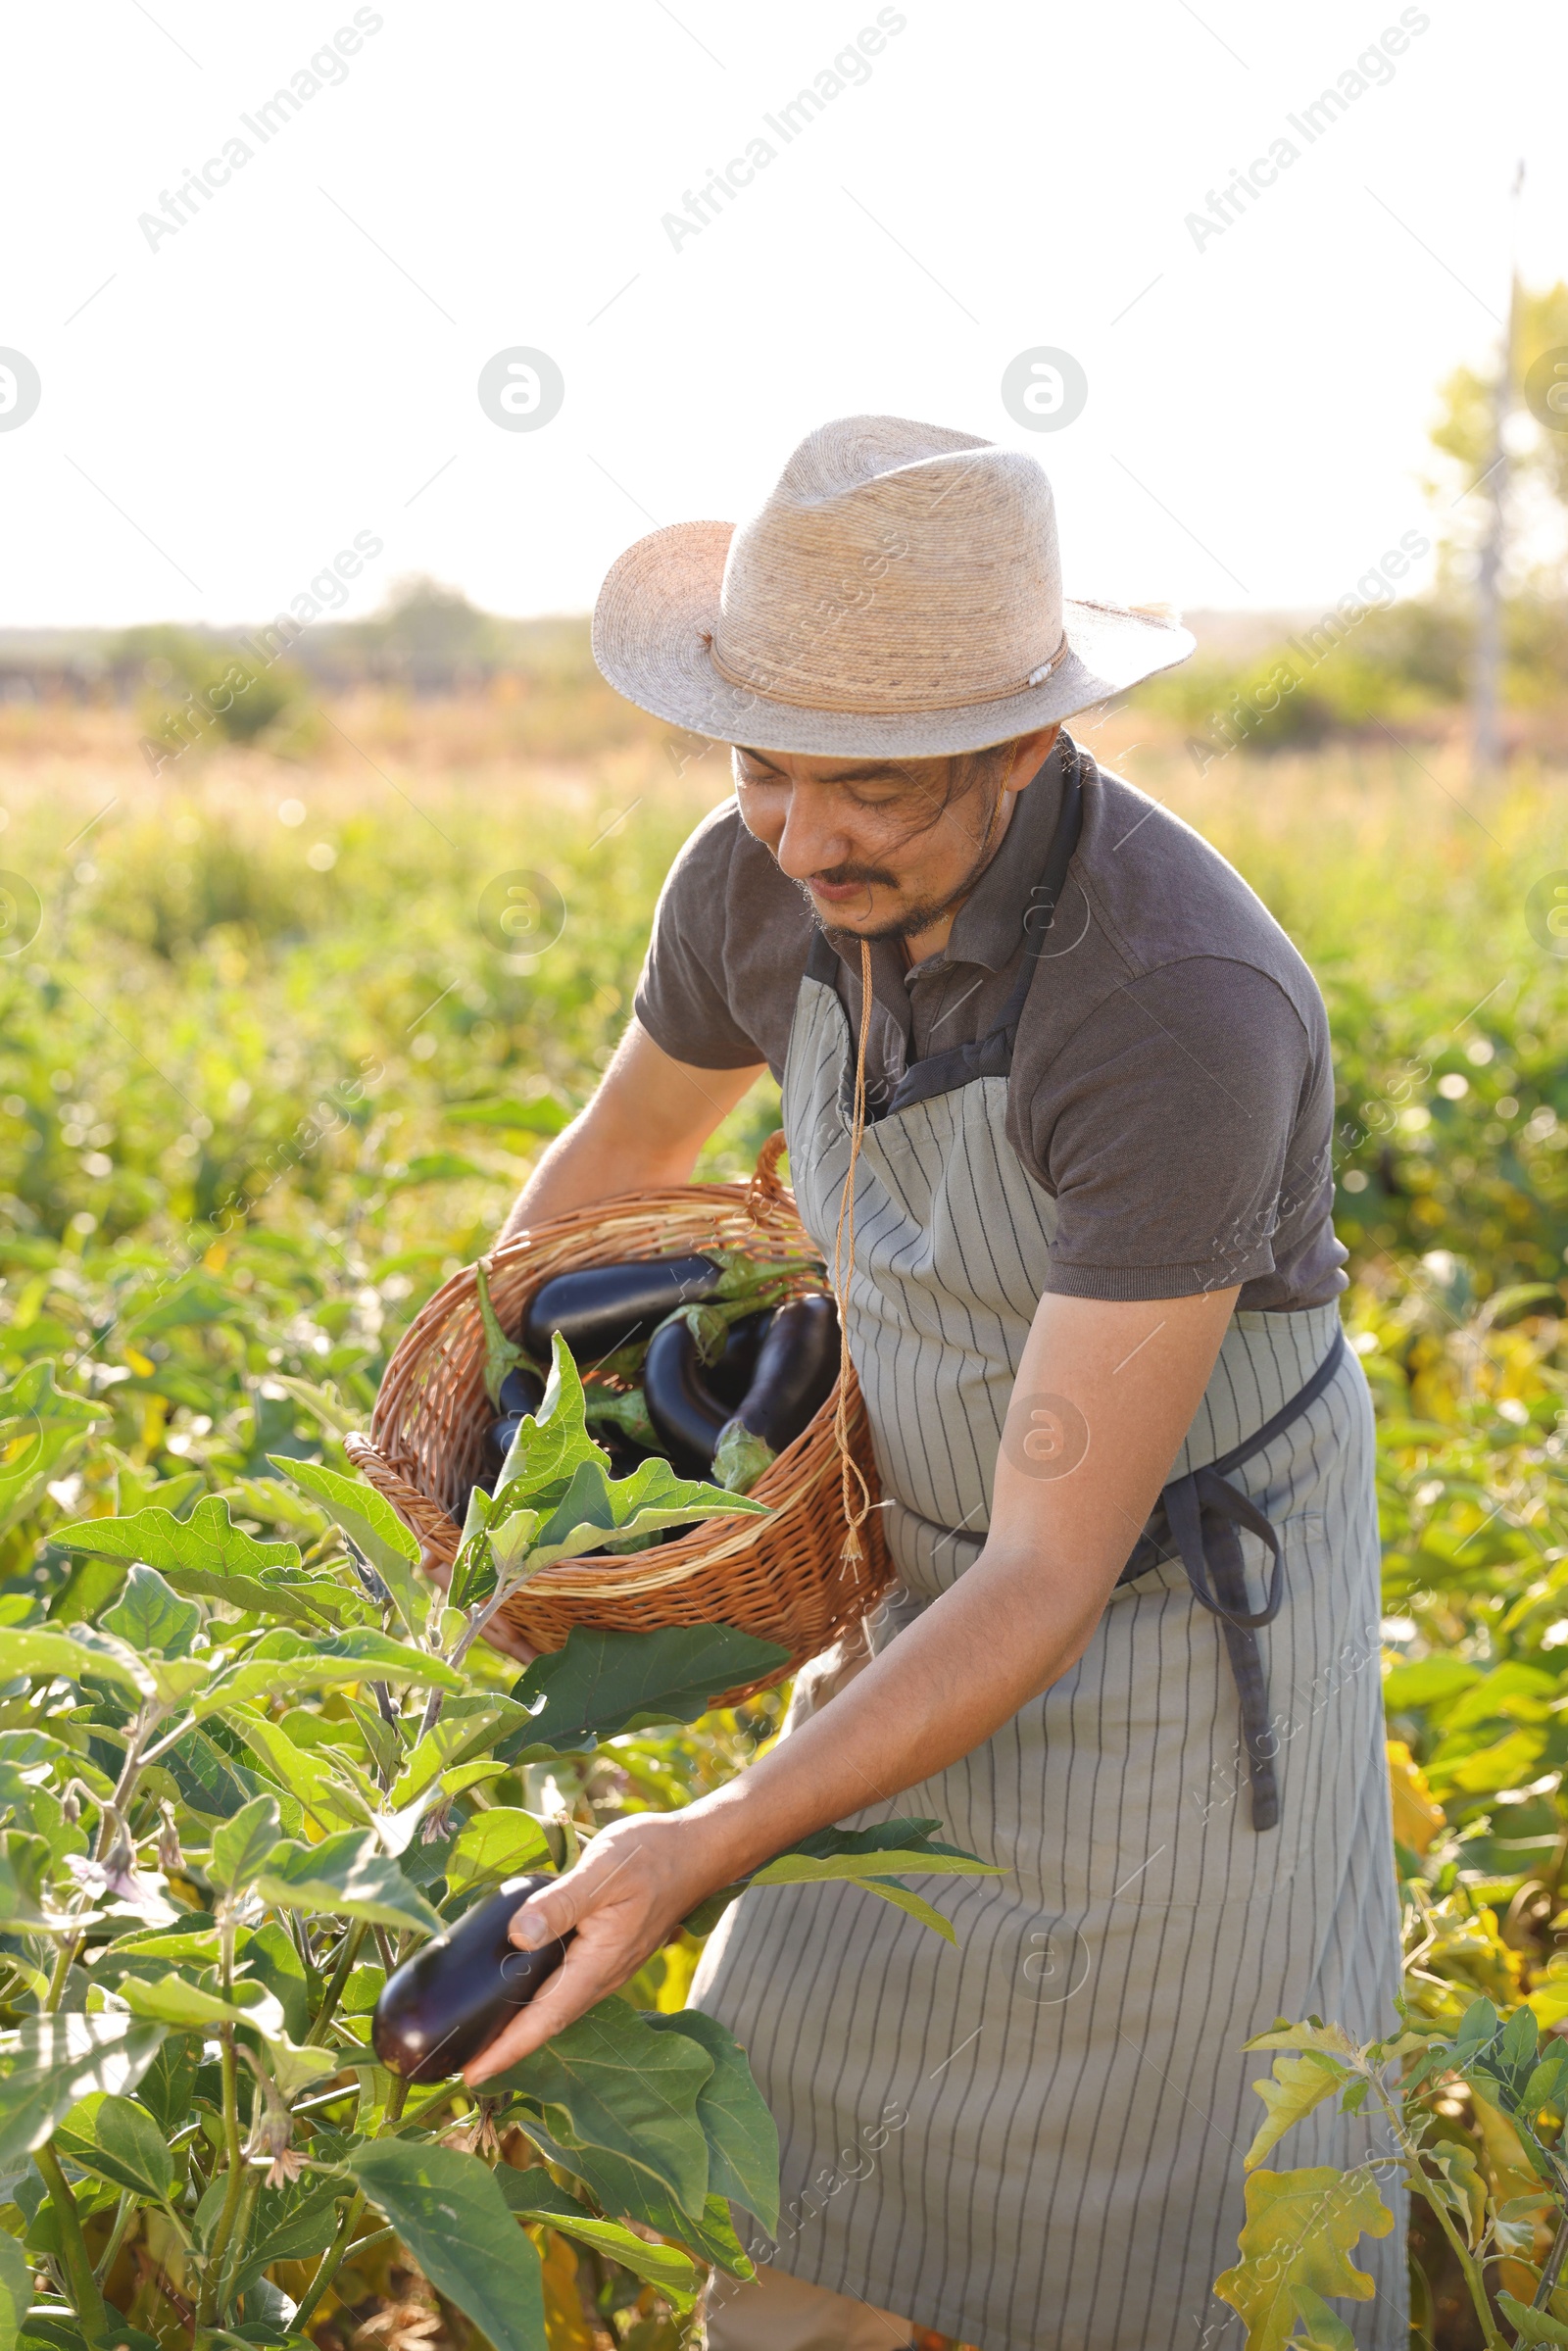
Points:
x=1503 y=500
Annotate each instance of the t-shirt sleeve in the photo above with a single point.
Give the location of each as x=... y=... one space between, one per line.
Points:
x=1165 y=1126
x=682 y=998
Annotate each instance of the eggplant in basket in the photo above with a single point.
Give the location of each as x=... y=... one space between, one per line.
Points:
x=603 y=1307
x=797 y=1364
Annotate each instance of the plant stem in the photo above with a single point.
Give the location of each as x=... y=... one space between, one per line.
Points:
x=91 y=2313
x=241 y=2237
x=1473 y=2276
x=1554 y=2269
x=332 y=2261
x=109 y=1817
x=125 y=2214
x=340 y=1975
x=207 y=2307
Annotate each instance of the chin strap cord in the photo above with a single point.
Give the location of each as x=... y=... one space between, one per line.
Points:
x=856 y=1508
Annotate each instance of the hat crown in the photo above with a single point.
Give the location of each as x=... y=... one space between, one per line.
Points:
x=893 y=566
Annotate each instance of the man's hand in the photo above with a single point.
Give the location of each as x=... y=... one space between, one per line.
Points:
x=626 y=1897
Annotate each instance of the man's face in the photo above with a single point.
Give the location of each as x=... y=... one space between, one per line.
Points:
x=884 y=849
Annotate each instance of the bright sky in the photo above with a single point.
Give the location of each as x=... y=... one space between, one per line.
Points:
x=222 y=409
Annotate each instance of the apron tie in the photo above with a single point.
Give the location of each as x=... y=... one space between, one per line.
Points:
x=1203 y=1512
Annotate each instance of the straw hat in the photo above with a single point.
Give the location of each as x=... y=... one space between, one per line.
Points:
x=897 y=594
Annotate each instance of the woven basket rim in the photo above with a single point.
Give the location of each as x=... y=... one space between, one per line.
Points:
x=786 y=1483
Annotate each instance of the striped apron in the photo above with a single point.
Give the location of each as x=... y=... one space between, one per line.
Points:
x=1033 y=2141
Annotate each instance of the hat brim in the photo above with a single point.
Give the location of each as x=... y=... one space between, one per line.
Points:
x=659 y=606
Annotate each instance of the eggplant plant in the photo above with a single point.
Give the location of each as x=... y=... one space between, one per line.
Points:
x=241 y=1783
x=1297 y=2246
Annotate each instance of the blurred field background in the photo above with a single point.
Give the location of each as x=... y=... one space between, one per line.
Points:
x=292 y=996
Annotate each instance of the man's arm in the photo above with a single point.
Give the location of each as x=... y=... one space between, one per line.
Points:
x=648 y=1119
x=1103 y=1397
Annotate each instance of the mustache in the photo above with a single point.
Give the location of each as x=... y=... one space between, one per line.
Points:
x=836 y=876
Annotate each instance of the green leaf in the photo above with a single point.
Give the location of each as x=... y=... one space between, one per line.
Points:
x=622 y=2187
x=166 y=2088
x=287 y=1662
x=466 y=1725
x=372 y=1526
x=72 y=1656
x=1326 y=2330
x=52 y=2061
x=294 y=2066
x=805 y=1869
x=175 y=2001
x=742 y=2136
x=240 y=1848
x=24 y=1903
x=208 y=1540
x=148 y=1615
x=307 y=1776
x=213 y=1783
x=495 y=1845
x=550 y=1443
x=1532 y=2326
x=1299 y=2084
x=1426 y=1681
x=347 y=1875
x=913 y=1906
x=292 y=2223
x=612 y=2081
x=119 y=2139
x=1332 y=2039
x=1299 y=2231
x=273 y=1959
x=15 y=2290
x=532 y=2196
x=42 y=1431
x=603 y=1681
x=450 y=2215
x=596 y=1507
x=1458 y=2183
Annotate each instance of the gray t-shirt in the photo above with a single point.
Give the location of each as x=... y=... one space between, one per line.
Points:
x=1171 y=1082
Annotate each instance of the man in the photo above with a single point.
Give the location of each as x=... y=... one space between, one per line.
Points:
x=1093 y=1271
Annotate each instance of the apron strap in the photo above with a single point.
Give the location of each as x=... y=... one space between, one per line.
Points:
x=991 y=1056
x=1203 y=1513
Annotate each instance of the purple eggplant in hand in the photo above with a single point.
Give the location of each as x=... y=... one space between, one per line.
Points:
x=450 y=2001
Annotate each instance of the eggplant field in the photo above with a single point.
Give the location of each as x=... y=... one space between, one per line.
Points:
x=282 y=1025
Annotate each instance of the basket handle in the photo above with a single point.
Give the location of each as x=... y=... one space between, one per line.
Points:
x=422 y=1517
x=766 y=1195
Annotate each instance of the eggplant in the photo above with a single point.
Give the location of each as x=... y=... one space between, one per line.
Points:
x=596 y=1311
x=498 y=1443
x=624 y=1456
x=684 y=1411
x=731 y=1376
x=797 y=1365
x=521 y=1393
x=451 y=2000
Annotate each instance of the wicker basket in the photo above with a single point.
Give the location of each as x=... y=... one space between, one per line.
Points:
x=782 y=1578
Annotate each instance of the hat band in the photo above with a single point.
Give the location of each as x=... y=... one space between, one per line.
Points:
x=822 y=698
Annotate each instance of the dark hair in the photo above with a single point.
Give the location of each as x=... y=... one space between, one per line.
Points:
x=954 y=775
